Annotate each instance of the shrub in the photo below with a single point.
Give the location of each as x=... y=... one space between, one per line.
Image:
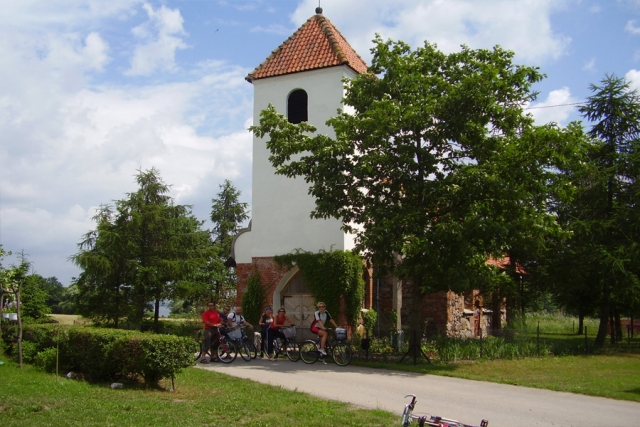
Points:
x=29 y=351
x=165 y=356
x=42 y=335
x=89 y=351
x=108 y=354
x=369 y=318
x=46 y=360
x=253 y=299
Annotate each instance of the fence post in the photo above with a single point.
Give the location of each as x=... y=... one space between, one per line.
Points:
x=586 y=341
x=538 y=337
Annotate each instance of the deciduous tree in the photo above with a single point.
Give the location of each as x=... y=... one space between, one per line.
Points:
x=433 y=159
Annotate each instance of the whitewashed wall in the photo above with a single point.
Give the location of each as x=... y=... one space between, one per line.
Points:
x=280 y=205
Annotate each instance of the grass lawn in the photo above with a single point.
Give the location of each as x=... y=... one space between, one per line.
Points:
x=614 y=376
x=202 y=398
x=70 y=319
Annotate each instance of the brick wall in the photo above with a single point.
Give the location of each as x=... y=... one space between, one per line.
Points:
x=270 y=276
x=445 y=313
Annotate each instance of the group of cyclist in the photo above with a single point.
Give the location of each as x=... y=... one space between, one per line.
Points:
x=271 y=327
x=214 y=319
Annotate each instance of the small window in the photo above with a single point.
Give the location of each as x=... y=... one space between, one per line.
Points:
x=297 y=110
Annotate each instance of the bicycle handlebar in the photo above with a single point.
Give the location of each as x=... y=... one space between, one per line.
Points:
x=430 y=420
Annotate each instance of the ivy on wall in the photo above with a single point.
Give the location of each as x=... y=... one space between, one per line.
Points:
x=330 y=275
x=253 y=299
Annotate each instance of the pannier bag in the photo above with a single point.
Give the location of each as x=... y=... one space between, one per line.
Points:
x=341 y=334
x=289 y=332
x=235 y=334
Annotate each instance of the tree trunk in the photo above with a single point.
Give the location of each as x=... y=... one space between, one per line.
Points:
x=156 y=315
x=604 y=317
x=612 y=327
x=19 y=326
x=496 y=316
x=580 y=323
x=618 y=325
x=416 y=314
x=117 y=313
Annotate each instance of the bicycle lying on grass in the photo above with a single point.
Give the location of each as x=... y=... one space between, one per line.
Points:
x=430 y=420
x=338 y=349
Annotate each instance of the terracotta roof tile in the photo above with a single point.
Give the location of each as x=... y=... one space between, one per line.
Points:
x=503 y=263
x=316 y=44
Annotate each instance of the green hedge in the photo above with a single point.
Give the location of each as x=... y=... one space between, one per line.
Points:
x=110 y=354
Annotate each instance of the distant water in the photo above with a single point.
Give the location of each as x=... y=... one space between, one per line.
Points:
x=164 y=310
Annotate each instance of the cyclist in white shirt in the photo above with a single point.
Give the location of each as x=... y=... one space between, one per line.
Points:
x=236 y=319
x=320 y=319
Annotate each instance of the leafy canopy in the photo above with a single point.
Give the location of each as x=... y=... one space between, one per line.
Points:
x=433 y=159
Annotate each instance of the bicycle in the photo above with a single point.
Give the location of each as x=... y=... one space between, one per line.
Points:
x=222 y=347
x=288 y=346
x=245 y=347
x=337 y=348
x=253 y=350
x=428 y=419
x=199 y=350
x=257 y=342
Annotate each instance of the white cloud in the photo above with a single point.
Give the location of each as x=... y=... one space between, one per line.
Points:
x=633 y=77
x=95 y=51
x=160 y=37
x=520 y=25
x=274 y=29
x=590 y=65
x=631 y=27
x=36 y=15
x=554 y=109
x=70 y=144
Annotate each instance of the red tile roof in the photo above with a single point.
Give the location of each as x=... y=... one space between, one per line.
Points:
x=503 y=263
x=316 y=44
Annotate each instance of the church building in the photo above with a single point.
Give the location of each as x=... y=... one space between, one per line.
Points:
x=303 y=79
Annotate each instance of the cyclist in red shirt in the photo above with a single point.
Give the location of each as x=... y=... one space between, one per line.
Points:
x=211 y=320
x=280 y=321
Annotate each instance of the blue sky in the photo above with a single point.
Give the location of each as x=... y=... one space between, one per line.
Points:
x=92 y=90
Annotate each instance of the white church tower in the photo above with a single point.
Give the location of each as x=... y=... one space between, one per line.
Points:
x=303 y=80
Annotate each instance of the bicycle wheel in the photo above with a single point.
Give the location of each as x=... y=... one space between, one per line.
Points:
x=252 y=348
x=276 y=350
x=197 y=347
x=309 y=352
x=293 y=351
x=257 y=342
x=341 y=354
x=226 y=351
x=243 y=349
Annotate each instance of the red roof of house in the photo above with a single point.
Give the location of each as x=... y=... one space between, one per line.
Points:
x=316 y=44
x=503 y=263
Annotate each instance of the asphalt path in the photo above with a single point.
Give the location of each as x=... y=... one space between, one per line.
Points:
x=465 y=400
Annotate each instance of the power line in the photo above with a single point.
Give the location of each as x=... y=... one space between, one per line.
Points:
x=558 y=105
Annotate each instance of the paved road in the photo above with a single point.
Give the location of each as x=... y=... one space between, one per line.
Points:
x=465 y=400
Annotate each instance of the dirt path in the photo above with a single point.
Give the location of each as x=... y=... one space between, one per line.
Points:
x=464 y=400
